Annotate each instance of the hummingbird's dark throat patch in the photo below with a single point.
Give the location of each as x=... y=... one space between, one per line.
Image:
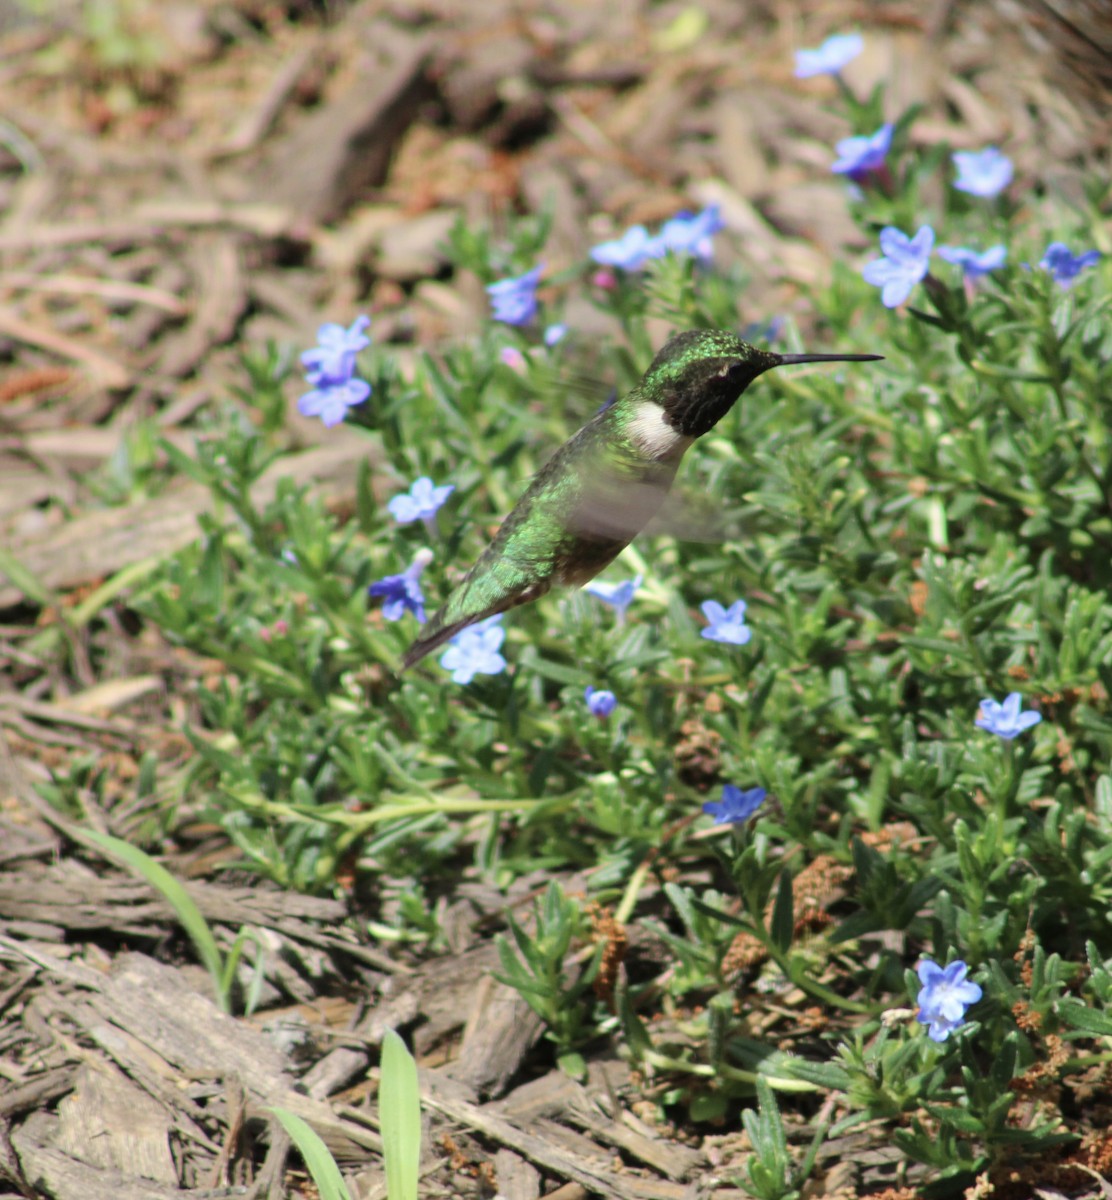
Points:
x=694 y=411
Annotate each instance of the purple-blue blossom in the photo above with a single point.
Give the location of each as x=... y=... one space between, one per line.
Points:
x=515 y=300
x=1006 y=720
x=402 y=593
x=688 y=233
x=333 y=357
x=944 y=997
x=420 y=502
x=905 y=262
x=618 y=596
x=974 y=265
x=631 y=251
x=600 y=702
x=331 y=401
x=1063 y=266
x=736 y=806
x=829 y=59
x=555 y=333
x=982 y=172
x=857 y=156
x=330 y=369
x=475 y=651
x=726 y=624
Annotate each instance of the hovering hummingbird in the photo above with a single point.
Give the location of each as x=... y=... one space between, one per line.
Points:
x=604 y=485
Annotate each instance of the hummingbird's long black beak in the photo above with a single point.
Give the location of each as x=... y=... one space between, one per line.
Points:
x=786 y=360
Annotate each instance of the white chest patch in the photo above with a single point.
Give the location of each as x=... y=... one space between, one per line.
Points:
x=653 y=436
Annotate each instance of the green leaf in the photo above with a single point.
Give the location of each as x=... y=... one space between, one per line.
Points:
x=318 y=1159
x=399 y=1115
x=175 y=895
x=25 y=579
x=783 y=915
x=1081 y=1016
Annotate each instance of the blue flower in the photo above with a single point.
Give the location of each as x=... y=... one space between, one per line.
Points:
x=330 y=368
x=835 y=53
x=333 y=357
x=401 y=592
x=735 y=806
x=982 y=172
x=600 y=703
x=726 y=624
x=555 y=333
x=631 y=251
x=690 y=234
x=474 y=651
x=420 y=502
x=905 y=262
x=618 y=595
x=944 y=997
x=857 y=156
x=1063 y=266
x=331 y=401
x=515 y=300
x=1005 y=720
x=974 y=266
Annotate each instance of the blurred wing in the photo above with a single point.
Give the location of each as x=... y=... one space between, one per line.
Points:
x=617 y=509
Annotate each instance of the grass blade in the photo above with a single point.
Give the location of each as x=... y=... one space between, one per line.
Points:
x=316 y=1155
x=172 y=890
x=399 y=1115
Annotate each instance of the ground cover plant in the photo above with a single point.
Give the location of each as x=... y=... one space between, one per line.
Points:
x=875 y=773
x=831 y=745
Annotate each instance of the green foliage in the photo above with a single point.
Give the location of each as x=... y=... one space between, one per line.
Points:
x=911 y=537
x=536 y=965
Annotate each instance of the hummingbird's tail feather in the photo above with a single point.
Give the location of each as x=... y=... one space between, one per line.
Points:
x=477 y=597
x=429 y=642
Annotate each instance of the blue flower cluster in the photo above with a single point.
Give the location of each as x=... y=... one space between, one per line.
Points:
x=421 y=502
x=829 y=59
x=906 y=261
x=944 y=997
x=619 y=596
x=600 y=702
x=402 y=593
x=476 y=651
x=982 y=173
x=515 y=300
x=685 y=233
x=736 y=806
x=330 y=372
x=1006 y=720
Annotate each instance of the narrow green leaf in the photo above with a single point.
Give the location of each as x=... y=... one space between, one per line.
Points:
x=318 y=1159
x=25 y=579
x=399 y=1115
x=1081 y=1016
x=174 y=894
x=783 y=914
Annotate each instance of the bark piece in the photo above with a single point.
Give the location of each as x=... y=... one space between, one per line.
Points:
x=501 y=1030
x=97 y=544
x=334 y=156
x=109 y=1123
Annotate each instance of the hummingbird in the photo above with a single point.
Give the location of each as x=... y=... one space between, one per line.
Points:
x=608 y=480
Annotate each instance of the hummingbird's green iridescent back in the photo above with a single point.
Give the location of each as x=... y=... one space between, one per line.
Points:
x=604 y=485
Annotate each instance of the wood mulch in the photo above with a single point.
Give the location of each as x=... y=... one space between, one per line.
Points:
x=250 y=169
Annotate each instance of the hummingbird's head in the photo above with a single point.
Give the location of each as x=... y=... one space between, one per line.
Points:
x=697 y=376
